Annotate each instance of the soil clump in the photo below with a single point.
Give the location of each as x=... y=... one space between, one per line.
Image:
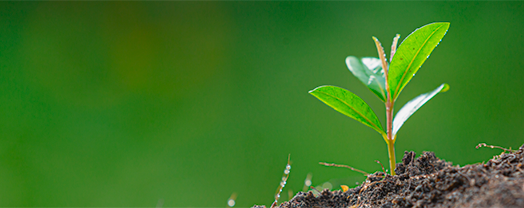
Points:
x=428 y=181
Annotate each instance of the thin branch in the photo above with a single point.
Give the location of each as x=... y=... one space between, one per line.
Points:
x=493 y=147
x=384 y=170
x=283 y=181
x=344 y=166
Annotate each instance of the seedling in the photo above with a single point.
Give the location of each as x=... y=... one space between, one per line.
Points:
x=387 y=80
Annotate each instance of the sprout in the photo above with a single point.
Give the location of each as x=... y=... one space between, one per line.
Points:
x=387 y=80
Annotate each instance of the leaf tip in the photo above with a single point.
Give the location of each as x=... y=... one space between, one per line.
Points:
x=445 y=24
x=316 y=88
x=445 y=88
x=438 y=23
x=349 y=60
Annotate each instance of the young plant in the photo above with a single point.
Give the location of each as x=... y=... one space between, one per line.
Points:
x=386 y=80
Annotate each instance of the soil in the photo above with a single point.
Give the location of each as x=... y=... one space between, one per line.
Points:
x=428 y=181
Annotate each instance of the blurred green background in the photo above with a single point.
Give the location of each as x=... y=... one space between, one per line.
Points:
x=184 y=103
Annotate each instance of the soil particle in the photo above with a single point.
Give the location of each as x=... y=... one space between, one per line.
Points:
x=427 y=181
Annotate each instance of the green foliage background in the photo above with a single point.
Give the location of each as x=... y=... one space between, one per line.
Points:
x=132 y=103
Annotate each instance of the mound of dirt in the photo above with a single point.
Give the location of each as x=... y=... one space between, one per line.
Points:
x=428 y=181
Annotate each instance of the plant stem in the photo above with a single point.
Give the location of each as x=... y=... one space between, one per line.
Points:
x=390 y=141
x=391 y=152
x=389 y=106
x=389 y=113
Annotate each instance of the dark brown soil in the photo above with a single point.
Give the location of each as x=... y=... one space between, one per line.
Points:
x=430 y=182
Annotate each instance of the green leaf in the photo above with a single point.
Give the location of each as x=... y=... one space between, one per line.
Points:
x=412 y=53
x=348 y=104
x=369 y=71
x=413 y=105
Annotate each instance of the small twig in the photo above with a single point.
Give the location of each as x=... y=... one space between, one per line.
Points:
x=344 y=166
x=493 y=147
x=384 y=170
x=283 y=181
